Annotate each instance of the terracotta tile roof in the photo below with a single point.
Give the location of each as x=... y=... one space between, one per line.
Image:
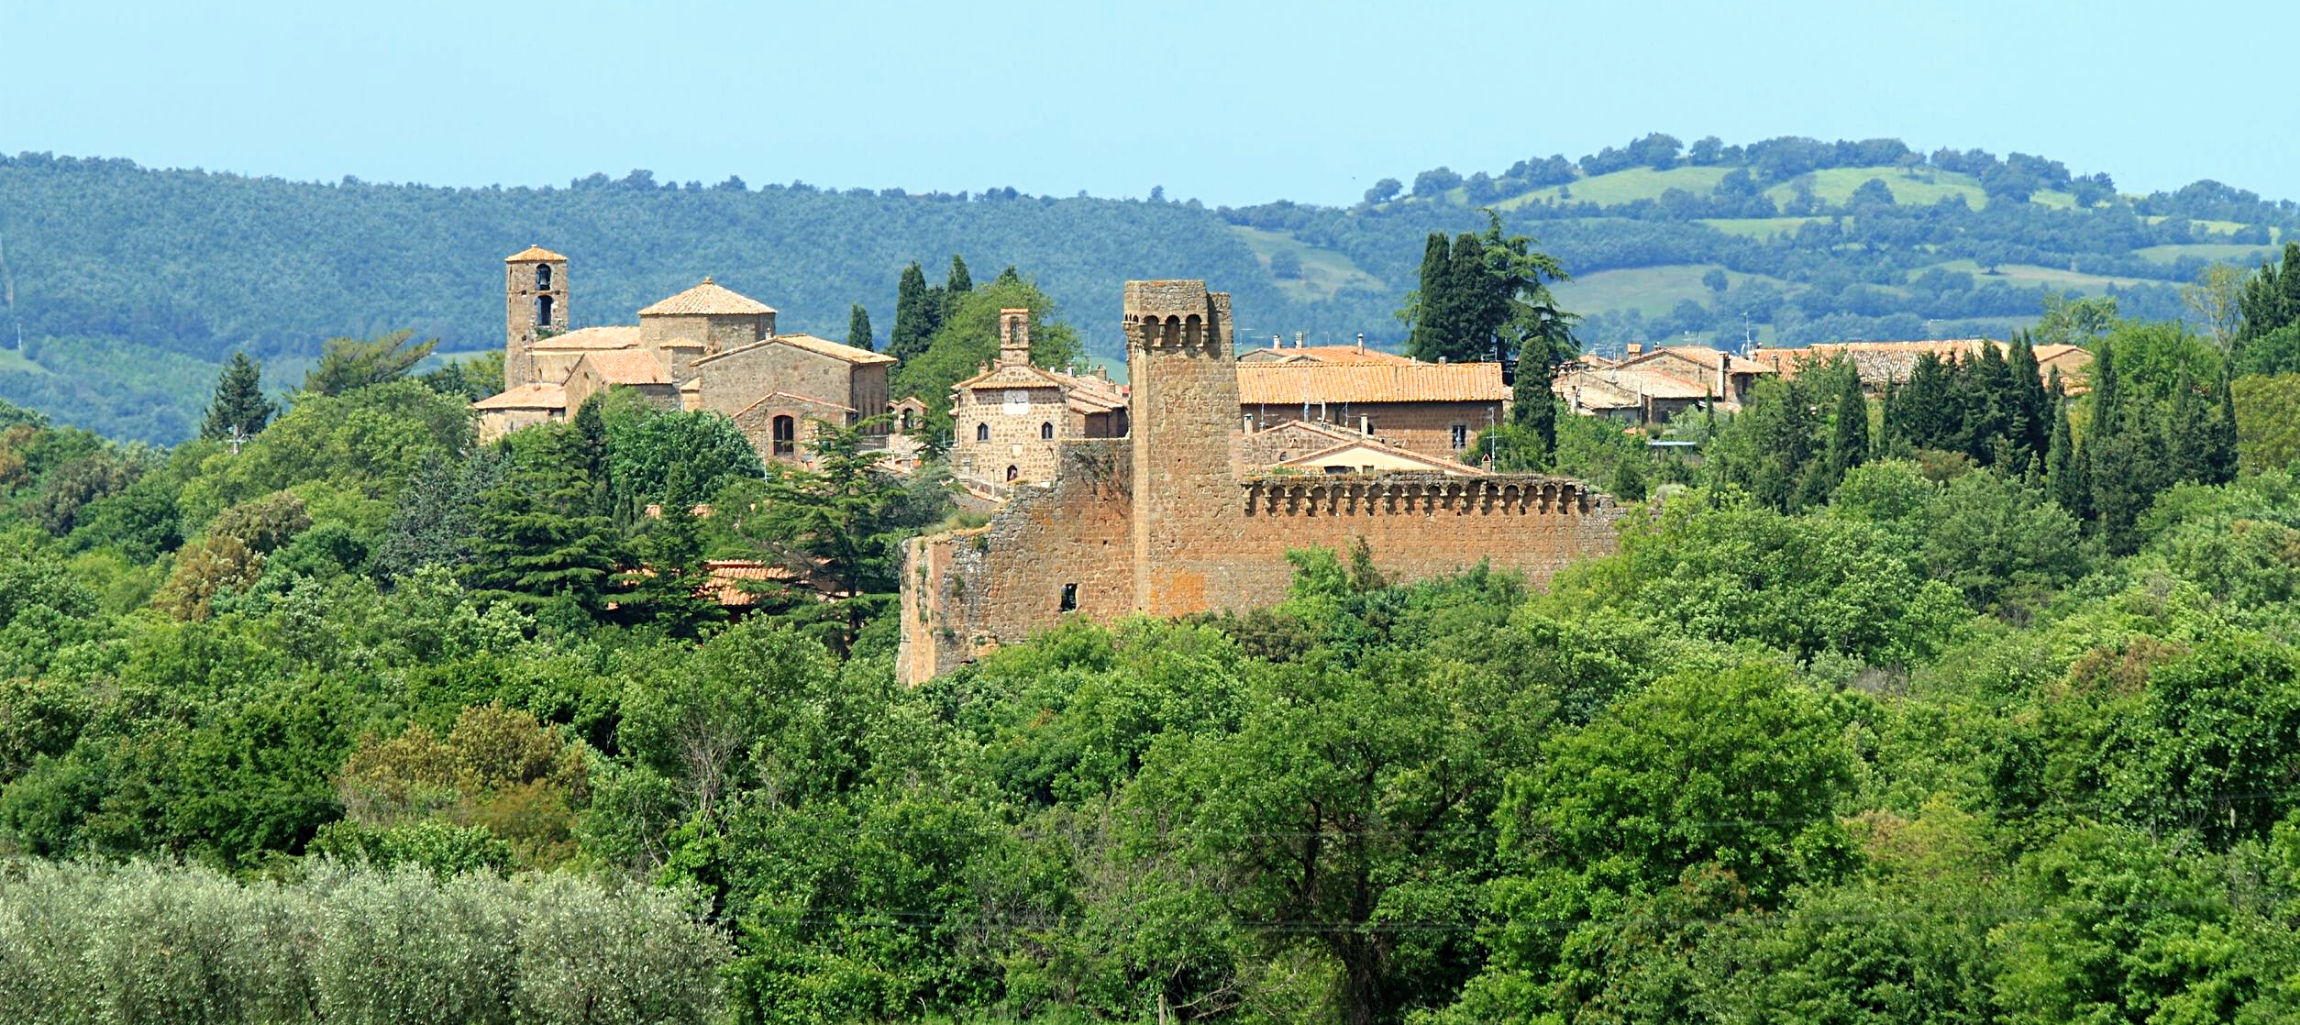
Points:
x=535 y=254
x=617 y=336
x=1292 y=384
x=706 y=299
x=1088 y=394
x=627 y=366
x=1336 y=355
x=526 y=396
x=860 y=357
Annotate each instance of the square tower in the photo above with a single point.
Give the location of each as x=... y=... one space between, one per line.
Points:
x=534 y=306
x=1183 y=418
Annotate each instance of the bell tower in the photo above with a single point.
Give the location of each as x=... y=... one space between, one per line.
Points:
x=1184 y=412
x=534 y=307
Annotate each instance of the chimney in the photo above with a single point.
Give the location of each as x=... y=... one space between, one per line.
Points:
x=1361 y=341
x=1297 y=339
x=1277 y=342
x=1724 y=366
x=1014 y=337
x=1636 y=349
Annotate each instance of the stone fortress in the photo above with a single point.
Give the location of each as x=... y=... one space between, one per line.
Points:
x=1176 y=508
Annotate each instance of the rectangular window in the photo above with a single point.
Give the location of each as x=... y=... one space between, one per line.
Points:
x=1460 y=436
x=1070 y=597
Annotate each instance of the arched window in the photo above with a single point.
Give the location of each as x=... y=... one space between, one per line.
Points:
x=1012 y=473
x=543 y=277
x=1046 y=431
x=542 y=311
x=982 y=432
x=906 y=421
x=786 y=436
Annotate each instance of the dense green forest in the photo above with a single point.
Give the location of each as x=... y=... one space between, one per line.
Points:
x=125 y=284
x=1974 y=701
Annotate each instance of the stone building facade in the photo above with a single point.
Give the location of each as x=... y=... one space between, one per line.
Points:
x=1010 y=420
x=1168 y=522
x=534 y=305
x=708 y=347
x=1431 y=408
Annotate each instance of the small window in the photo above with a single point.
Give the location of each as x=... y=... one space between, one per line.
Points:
x=786 y=436
x=906 y=421
x=1365 y=425
x=542 y=311
x=1046 y=431
x=543 y=277
x=1460 y=436
x=982 y=432
x=1012 y=473
x=1337 y=470
x=1069 y=598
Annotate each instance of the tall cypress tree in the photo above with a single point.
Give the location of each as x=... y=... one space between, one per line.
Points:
x=1927 y=406
x=1476 y=313
x=2186 y=428
x=913 y=322
x=858 y=328
x=2221 y=448
x=1432 y=302
x=2063 y=472
x=240 y=408
x=1849 y=436
x=2032 y=408
x=959 y=282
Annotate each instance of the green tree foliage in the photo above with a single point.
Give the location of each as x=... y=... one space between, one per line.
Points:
x=961 y=344
x=915 y=316
x=1487 y=297
x=858 y=329
x=540 y=537
x=349 y=363
x=239 y=409
x=192 y=945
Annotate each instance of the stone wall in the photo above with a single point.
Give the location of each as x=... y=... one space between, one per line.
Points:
x=971 y=591
x=718 y=332
x=738 y=378
x=1185 y=399
x=1014 y=432
x=968 y=591
x=519 y=327
x=1425 y=427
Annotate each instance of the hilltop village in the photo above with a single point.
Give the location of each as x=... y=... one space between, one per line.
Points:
x=1180 y=491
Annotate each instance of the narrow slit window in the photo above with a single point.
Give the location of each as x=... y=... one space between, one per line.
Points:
x=1069 y=598
x=1046 y=431
x=982 y=432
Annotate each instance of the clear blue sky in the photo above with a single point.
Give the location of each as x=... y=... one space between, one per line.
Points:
x=1227 y=102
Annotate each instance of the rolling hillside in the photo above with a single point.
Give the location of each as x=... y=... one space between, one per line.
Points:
x=128 y=285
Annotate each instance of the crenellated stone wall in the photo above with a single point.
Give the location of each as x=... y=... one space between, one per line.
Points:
x=1163 y=522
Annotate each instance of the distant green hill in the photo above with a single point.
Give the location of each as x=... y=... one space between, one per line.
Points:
x=128 y=284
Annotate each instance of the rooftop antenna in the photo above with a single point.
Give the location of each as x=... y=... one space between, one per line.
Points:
x=1748 y=342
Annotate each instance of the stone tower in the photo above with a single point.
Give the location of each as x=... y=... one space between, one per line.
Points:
x=534 y=305
x=1184 y=412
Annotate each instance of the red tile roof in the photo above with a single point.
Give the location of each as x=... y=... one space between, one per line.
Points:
x=535 y=254
x=1292 y=384
x=707 y=299
x=611 y=337
x=526 y=396
x=627 y=366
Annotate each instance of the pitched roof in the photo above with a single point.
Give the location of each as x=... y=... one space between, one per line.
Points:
x=627 y=366
x=859 y=357
x=1292 y=384
x=1706 y=357
x=617 y=336
x=1090 y=394
x=706 y=299
x=526 y=396
x=787 y=396
x=1366 y=444
x=1636 y=382
x=1338 y=355
x=535 y=254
